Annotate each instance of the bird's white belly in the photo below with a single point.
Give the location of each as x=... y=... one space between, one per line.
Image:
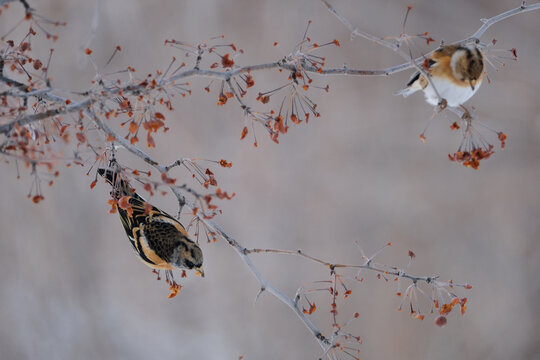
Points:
x=455 y=95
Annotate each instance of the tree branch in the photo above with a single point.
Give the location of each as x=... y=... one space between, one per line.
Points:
x=474 y=38
x=495 y=19
x=89 y=100
x=28 y=119
x=241 y=250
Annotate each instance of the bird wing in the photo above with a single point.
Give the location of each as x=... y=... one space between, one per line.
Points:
x=417 y=81
x=153 y=233
x=163 y=238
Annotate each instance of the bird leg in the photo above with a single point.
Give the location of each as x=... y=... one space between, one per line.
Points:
x=466 y=115
x=442 y=105
x=169 y=278
x=174 y=287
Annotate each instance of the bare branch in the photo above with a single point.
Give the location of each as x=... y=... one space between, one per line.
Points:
x=367 y=265
x=28 y=119
x=495 y=19
x=243 y=253
x=357 y=32
x=474 y=38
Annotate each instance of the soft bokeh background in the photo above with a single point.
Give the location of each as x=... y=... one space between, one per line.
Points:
x=70 y=286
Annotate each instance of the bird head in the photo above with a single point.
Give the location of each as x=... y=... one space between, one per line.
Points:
x=191 y=257
x=468 y=65
x=199 y=271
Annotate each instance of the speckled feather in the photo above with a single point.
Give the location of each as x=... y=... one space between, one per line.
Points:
x=159 y=240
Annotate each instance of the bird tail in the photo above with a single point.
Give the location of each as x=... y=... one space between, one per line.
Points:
x=132 y=217
x=121 y=187
x=414 y=84
x=406 y=92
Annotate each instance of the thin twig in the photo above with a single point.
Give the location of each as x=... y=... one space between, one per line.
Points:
x=367 y=265
x=24 y=120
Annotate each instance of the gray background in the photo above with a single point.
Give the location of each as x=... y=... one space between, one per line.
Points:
x=70 y=286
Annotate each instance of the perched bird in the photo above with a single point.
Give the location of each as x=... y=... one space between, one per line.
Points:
x=455 y=71
x=159 y=240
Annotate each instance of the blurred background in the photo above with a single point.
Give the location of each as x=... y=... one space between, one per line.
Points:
x=71 y=287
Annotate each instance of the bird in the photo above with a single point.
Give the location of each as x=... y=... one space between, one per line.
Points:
x=455 y=71
x=159 y=240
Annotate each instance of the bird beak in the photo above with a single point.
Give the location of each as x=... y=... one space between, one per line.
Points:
x=199 y=271
x=472 y=83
